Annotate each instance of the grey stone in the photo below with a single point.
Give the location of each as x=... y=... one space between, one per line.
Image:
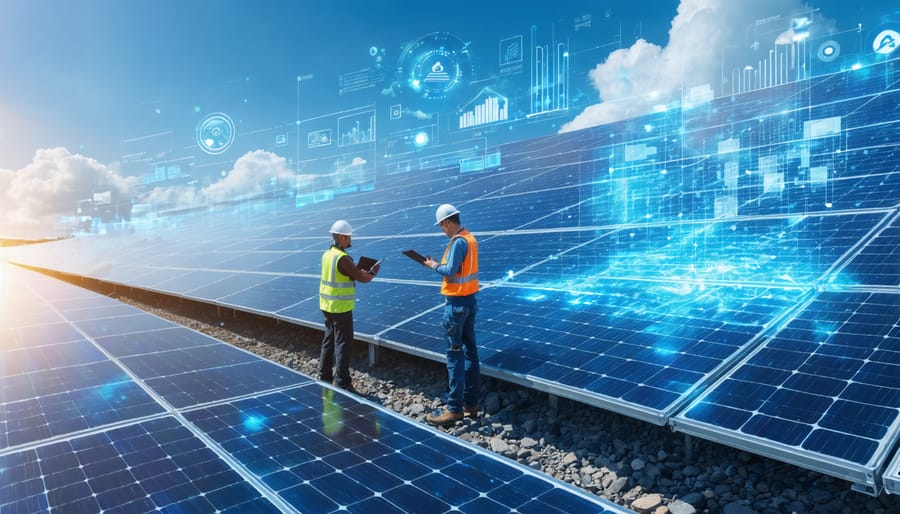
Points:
x=681 y=507
x=646 y=504
x=498 y=445
x=617 y=485
x=528 y=442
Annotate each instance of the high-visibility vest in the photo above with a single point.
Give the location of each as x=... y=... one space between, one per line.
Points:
x=465 y=281
x=336 y=290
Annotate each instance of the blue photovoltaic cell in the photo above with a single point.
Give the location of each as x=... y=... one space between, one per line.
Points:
x=321 y=451
x=66 y=444
x=173 y=337
x=41 y=404
x=131 y=323
x=155 y=465
x=228 y=285
x=38 y=357
x=878 y=263
x=207 y=385
x=827 y=384
x=38 y=335
x=273 y=295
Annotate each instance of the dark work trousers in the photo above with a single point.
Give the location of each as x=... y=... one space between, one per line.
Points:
x=336 y=347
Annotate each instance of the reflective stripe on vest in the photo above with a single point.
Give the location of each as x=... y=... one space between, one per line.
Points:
x=336 y=290
x=464 y=282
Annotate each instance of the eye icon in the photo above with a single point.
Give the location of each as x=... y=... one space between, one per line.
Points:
x=215 y=133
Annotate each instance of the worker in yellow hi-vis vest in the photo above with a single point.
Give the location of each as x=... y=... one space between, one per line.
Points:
x=337 y=291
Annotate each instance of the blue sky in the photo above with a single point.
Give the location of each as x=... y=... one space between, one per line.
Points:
x=79 y=77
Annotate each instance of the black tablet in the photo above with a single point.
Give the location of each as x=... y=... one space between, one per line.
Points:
x=414 y=255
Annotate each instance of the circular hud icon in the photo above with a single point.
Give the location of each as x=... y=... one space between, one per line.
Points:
x=434 y=66
x=886 y=41
x=829 y=51
x=215 y=133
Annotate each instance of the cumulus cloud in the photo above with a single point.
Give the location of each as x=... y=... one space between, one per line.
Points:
x=250 y=176
x=53 y=184
x=36 y=197
x=633 y=80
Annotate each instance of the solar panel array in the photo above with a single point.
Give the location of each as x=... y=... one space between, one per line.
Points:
x=105 y=408
x=661 y=267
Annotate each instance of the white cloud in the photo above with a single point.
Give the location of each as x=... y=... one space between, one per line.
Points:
x=52 y=185
x=252 y=175
x=633 y=80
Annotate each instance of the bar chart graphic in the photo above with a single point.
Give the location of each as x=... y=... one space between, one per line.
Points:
x=488 y=107
x=356 y=129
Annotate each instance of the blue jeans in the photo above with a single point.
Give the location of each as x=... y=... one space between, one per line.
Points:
x=463 y=368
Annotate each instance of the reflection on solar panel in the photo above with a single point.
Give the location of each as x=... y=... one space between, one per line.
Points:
x=145 y=415
x=629 y=266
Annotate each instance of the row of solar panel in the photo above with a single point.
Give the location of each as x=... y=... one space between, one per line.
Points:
x=608 y=341
x=106 y=408
x=634 y=318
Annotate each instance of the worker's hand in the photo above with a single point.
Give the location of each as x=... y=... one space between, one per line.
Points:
x=429 y=262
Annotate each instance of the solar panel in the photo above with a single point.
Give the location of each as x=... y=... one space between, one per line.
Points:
x=823 y=389
x=878 y=262
x=156 y=417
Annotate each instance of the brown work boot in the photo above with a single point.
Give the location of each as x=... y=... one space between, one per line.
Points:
x=470 y=411
x=445 y=418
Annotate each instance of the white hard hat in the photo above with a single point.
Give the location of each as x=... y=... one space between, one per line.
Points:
x=443 y=212
x=342 y=227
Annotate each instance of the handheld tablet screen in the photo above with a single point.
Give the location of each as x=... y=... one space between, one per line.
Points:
x=414 y=255
x=367 y=263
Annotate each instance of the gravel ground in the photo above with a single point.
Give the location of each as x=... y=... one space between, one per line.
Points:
x=629 y=462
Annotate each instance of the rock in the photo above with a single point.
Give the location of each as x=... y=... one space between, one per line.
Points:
x=569 y=459
x=617 y=485
x=498 y=445
x=681 y=507
x=528 y=442
x=646 y=504
x=637 y=464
